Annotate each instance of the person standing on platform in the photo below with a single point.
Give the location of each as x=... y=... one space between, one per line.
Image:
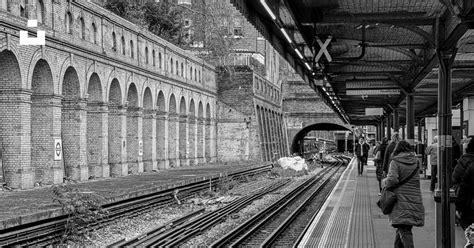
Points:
x=456 y=153
x=388 y=153
x=408 y=210
x=433 y=151
x=362 y=152
x=463 y=181
x=378 y=160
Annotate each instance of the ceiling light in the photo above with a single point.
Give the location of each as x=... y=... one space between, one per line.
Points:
x=286 y=35
x=299 y=53
x=307 y=66
x=267 y=8
x=359 y=26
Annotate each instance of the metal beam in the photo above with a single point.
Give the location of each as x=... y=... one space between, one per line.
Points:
x=415 y=18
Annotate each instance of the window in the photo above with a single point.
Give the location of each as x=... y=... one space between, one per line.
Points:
x=146 y=55
x=153 y=55
x=195 y=74
x=40 y=15
x=83 y=28
x=23 y=10
x=182 y=69
x=238 y=32
x=199 y=76
x=131 y=49
x=94 y=33
x=177 y=71
x=123 y=45
x=69 y=22
x=114 y=41
x=171 y=65
x=159 y=59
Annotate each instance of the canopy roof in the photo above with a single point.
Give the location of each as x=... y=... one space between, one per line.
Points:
x=379 y=50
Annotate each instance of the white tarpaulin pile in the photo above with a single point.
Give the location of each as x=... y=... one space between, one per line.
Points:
x=295 y=163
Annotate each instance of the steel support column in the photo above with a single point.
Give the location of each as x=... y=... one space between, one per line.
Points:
x=410 y=119
x=444 y=206
x=382 y=128
x=389 y=125
x=396 y=121
x=420 y=130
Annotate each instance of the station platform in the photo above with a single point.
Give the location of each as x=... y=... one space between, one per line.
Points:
x=25 y=206
x=351 y=218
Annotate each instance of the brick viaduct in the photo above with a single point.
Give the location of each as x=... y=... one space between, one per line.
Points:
x=121 y=99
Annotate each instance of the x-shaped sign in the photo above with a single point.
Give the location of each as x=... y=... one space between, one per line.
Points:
x=323 y=49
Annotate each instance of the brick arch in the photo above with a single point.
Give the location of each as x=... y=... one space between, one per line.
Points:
x=132 y=95
x=172 y=104
x=200 y=110
x=73 y=126
x=208 y=111
x=10 y=77
x=147 y=99
x=90 y=72
x=192 y=108
x=37 y=56
x=66 y=70
x=192 y=133
x=94 y=89
x=182 y=106
x=115 y=93
x=161 y=102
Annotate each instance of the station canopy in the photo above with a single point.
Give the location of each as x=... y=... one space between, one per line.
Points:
x=370 y=54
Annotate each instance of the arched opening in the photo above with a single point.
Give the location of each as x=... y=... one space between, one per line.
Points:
x=182 y=69
x=208 y=133
x=114 y=41
x=96 y=130
x=192 y=133
x=160 y=60
x=83 y=28
x=146 y=55
x=195 y=74
x=190 y=76
x=44 y=125
x=153 y=57
x=309 y=139
x=172 y=132
x=73 y=127
x=132 y=52
x=171 y=66
x=161 y=138
x=123 y=45
x=177 y=68
x=40 y=15
x=69 y=22
x=133 y=112
x=148 y=127
x=200 y=133
x=94 y=33
x=116 y=127
x=23 y=4
x=183 y=121
x=15 y=161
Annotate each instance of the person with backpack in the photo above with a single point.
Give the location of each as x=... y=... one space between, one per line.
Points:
x=463 y=182
x=404 y=179
x=388 y=152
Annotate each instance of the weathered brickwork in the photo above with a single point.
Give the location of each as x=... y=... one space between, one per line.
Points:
x=108 y=101
x=249 y=118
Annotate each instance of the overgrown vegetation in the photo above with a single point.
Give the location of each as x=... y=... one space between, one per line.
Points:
x=225 y=184
x=83 y=209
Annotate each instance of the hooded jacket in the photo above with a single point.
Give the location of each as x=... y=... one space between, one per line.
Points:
x=463 y=177
x=409 y=209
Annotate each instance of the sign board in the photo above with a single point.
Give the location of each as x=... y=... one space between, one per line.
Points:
x=140 y=148
x=58 y=149
x=373 y=92
x=373 y=111
x=371 y=84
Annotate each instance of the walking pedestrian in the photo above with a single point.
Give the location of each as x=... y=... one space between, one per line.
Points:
x=408 y=210
x=456 y=153
x=463 y=182
x=388 y=152
x=362 y=152
x=378 y=160
x=432 y=150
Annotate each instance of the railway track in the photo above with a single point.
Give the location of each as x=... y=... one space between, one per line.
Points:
x=281 y=223
x=290 y=208
x=48 y=231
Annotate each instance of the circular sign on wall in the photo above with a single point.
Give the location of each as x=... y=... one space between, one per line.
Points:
x=58 y=149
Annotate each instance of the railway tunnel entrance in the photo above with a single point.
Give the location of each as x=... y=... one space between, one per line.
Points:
x=314 y=137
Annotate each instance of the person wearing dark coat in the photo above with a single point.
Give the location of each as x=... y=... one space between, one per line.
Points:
x=362 y=153
x=408 y=210
x=388 y=152
x=463 y=181
x=456 y=153
x=379 y=161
